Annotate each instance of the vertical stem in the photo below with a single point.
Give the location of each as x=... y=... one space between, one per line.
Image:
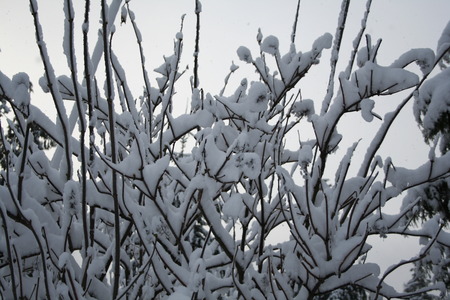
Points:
x=53 y=87
x=243 y=241
x=198 y=9
x=109 y=86
x=19 y=269
x=90 y=101
x=357 y=40
x=81 y=120
x=335 y=54
x=8 y=250
x=167 y=106
x=294 y=27
x=4 y=214
x=22 y=164
x=144 y=72
x=263 y=222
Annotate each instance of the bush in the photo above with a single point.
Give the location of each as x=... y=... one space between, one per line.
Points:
x=126 y=208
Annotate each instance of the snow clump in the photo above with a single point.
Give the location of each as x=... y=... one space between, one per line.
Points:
x=21 y=86
x=258 y=97
x=366 y=109
x=270 y=45
x=305 y=155
x=71 y=198
x=432 y=103
x=444 y=43
x=244 y=54
x=304 y=108
x=249 y=164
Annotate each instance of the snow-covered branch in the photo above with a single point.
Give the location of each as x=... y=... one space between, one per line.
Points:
x=140 y=201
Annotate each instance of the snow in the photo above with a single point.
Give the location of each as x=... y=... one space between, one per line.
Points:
x=423 y=57
x=244 y=54
x=362 y=56
x=404 y=178
x=71 y=198
x=270 y=45
x=366 y=109
x=249 y=164
x=349 y=91
x=305 y=155
x=303 y=108
x=373 y=79
x=132 y=164
x=435 y=255
x=233 y=206
x=444 y=41
x=235 y=179
x=214 y=162
x=259 y=36
x=433 y=100
x=258 y=97
x=68 y=35
x=322 y=42
x=21 y=86
x=5 y=84
x=152 y=173
x=181 y=293
x=233 y=67
x=63 y=259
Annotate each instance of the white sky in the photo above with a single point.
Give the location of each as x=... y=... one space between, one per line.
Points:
x=226 y=25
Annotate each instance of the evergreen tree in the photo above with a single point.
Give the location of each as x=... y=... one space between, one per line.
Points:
x=41 y=139
x=349 y=292
x=432 y=112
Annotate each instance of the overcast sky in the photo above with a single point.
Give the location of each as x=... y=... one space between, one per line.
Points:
x=226 y=25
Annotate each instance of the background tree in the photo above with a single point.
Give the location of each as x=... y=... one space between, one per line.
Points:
x=41 y=139
x=347 y=293
x=116 y=211
x=432 y=111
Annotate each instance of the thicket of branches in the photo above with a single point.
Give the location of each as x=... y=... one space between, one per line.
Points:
x=125 y=209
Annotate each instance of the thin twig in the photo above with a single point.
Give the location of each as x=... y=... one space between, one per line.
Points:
x=198 y=10
x=109 y=91
x=335 y=54
x=294 y=27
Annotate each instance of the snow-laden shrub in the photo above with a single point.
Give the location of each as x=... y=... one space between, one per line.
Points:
x=119 y=211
